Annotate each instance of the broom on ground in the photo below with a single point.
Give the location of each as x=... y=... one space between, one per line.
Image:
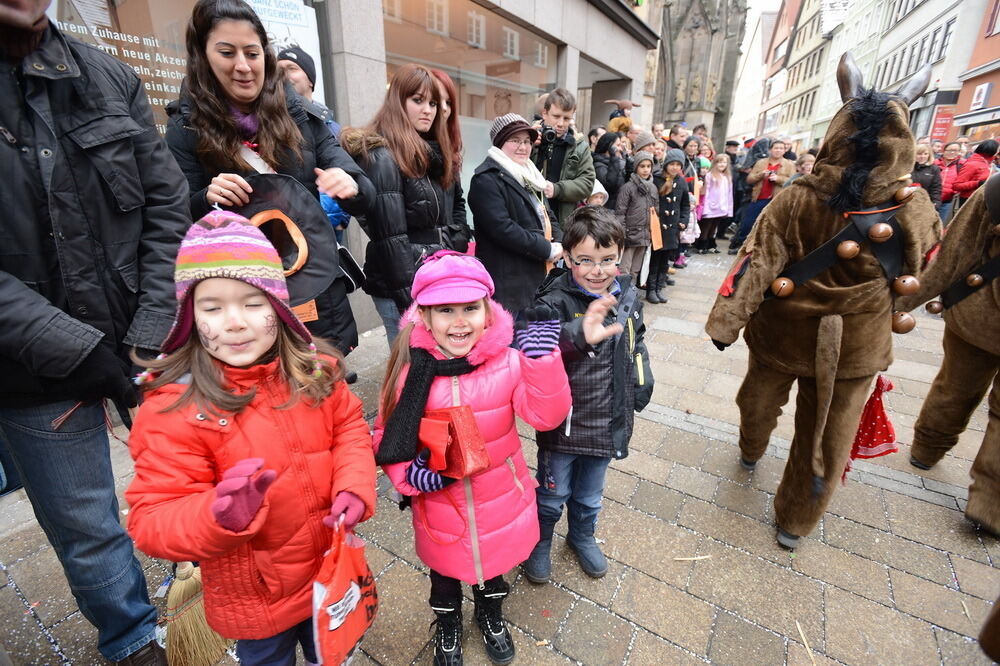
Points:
x=190 y=641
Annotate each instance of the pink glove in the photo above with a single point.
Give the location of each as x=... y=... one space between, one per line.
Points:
x=346 y=504
x=240 y=496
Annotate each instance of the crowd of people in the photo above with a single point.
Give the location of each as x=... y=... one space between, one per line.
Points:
x=135 y=269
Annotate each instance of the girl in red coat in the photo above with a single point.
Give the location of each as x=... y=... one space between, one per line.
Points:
x=454 y=350
x=248 y=445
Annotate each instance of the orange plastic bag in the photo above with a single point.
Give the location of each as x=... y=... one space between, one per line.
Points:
x=344 y=598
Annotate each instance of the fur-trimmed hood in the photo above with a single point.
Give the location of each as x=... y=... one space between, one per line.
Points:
x=359 y=141
x=496 y=338
x=883 y=120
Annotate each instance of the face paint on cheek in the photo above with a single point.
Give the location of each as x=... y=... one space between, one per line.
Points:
x=206 y=337
x=271 y=325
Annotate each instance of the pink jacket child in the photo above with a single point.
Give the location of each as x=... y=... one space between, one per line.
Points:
x=477 y=528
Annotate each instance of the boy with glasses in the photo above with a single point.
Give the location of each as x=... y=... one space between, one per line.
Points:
x=589 y=297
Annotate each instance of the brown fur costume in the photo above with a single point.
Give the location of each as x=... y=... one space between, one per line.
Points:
x=971 y=357
x=832 y=335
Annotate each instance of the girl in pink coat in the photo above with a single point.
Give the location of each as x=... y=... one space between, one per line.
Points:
x=454 y=349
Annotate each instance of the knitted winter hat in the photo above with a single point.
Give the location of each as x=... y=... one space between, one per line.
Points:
x=507 y=124
x=674 y=155
x=643 y=156
x=450 y=277
x=224 y=244
x=302 y=59
x=643 y=139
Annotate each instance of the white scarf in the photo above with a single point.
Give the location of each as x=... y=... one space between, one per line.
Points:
x=526 y=174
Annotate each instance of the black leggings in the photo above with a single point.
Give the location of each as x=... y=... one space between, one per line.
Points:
x=659 y=261
x=446 y=592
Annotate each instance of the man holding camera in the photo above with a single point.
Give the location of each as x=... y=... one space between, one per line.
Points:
x=565 y=162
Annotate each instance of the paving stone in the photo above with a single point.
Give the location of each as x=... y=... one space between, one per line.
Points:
x=742 y=499
x=683 y=447
x=860 y=503
x=567 y=572
x=594 y=636
x=21 y=636
x=620 y=486
x=736 y=642
x=666 y=394
x=750 y=587
x=723 y=385
x=378 y=558
x=651 y=650
x=77 y=640
x=647 y=435
x=647 y=544
x=658 y=500
x=693 y=481
x=731 y=528
x=392 y=530
x=939 y=605
x=723 y=460
x=683 y=376
x=696 y=402
x=843 y=569
x=888 y=549
x=767 y=475
x=400 y=630
x=41 y=580
x=859 y=631
x=644 y=465
x=665 y=611
x=799 y=656
x=538 y=609
x=958 y=650
x=936 y=526
x=22 y=543
x=525 y=648
x=980 y=580
x=687 y=328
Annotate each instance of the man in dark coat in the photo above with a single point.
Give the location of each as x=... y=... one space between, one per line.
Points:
x=96 y=208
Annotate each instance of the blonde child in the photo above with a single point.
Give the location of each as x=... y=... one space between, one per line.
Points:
x=717 y=204
x=454 y=349
x=248 y=446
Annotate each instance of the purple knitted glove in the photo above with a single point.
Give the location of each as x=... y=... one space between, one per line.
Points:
x=423 y=479
x=240 y=496
x=538 y=333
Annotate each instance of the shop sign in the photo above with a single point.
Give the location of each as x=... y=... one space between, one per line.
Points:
x=942 y=122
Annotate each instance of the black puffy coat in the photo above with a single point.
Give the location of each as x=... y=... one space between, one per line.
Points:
x=600 y=423
x=610 y=172
x=674 y=210
x=409 y=219
x=93 y=216
x=510 y=238
x=928 y=176
x=320 y=149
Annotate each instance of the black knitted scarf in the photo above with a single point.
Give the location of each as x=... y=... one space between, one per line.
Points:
x=399 y=439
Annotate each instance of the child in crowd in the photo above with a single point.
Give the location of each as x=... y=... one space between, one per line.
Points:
x=803 y=167
x=598 y=342
x=635 y=200
x=248 y=445
x=455 y=350
x=599 y=195
x=716 y=204
x=674 y=209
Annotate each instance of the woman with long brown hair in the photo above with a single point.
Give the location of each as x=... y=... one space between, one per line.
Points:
x=459 y=231
x=237 y=116
x=407 y=152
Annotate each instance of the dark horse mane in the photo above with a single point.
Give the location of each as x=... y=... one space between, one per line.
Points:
x=869 y=112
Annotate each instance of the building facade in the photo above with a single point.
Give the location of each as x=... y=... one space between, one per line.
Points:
x=749 y=74
x=977 y=113
x=776 y=83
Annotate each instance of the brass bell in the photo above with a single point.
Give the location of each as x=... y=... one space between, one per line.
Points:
x=974 y=280
x=782 y=287
x=880 y=233
x=935 y=307
x=848 y=249
x=902 y=322
x=905 y=285
x=903 y=194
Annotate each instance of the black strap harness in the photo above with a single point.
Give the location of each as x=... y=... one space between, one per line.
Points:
x=962 y=289
x=889 y=252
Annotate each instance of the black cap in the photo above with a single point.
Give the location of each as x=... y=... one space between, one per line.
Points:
x=732 y=143
x=302 y=59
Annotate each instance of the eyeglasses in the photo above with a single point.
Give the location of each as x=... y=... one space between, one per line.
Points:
x=605 y=264
x=519 y=142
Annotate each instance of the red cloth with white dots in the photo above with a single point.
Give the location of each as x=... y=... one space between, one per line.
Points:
x=876 y=436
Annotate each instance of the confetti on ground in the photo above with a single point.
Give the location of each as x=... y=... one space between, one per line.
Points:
x=546 y=612
x=541 y=643
x=806 y=643
x=692 y=559
x=966 y=609
x=687 y=411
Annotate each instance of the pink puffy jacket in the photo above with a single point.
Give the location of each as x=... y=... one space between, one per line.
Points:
x=485 y=525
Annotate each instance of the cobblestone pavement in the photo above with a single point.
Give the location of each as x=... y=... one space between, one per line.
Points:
x=893 y=575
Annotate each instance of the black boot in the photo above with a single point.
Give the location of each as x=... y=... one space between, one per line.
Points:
x=661 y=281
x=448 y=637
x=651 y=296
x=489 y=616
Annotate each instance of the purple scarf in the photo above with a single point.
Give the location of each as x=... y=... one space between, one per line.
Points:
x=246 y=123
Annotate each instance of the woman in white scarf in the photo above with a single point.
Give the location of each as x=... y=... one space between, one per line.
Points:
x=514 y=236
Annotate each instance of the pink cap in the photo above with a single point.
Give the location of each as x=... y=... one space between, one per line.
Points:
x=450 y=277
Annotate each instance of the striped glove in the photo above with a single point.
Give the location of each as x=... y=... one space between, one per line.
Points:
x=423 y=479
x=538 y=333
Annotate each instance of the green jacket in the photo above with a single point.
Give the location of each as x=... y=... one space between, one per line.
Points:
x=576 y=178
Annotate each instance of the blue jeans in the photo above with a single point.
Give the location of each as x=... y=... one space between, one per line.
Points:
x=944 y=210
x=750 y=214
x=67 y=476
x=389 y=311
x=279 y=650
x=574 y=481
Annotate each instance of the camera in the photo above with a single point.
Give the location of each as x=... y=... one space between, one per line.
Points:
x=548 y=134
